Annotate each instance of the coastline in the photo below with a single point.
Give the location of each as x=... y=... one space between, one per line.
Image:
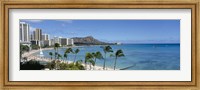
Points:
x=30 y=56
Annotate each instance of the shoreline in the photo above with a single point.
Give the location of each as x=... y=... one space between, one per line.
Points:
x=30 y=56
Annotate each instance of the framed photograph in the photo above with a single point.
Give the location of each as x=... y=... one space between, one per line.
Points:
x=100 y=44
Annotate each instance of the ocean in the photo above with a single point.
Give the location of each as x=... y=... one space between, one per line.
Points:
x=137 y=56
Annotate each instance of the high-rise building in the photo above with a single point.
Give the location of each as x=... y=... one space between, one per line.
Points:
x=33 y=36
x=37 y=37
x=52 y=42
x=47 y=42
x=24 y=32
x=63 y=41
x=56 y=40
x=70 y=42
x=37 y=34
x=45 y=37
x=59 y=39
x=66 y=41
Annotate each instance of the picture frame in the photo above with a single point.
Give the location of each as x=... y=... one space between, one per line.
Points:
x=193 y=84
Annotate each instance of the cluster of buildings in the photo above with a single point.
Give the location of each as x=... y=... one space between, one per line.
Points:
x=38 y=38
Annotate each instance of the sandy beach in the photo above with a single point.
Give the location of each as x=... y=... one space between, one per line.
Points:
x=30 y=56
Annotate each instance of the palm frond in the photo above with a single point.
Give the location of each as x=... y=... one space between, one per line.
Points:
x=56 y=45
x=65 y=55
x=119 y=53
x=50 y=53
x=79 y=61
x=77 y=50
x=107 y=49
x=92 y=62
x=99 y=55
x=112 y=55
x=88 y=56
x=68 y=50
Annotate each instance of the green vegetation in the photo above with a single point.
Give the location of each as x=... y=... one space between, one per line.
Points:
x=118 y=53
x=67 y=51
x=46 y=46
x=69 y=45
x=106 y=49
x=56 y=46
x=51 y=65
x=35 y=47
x=51 y=54
x=96 y=56
x=70 y=50
x=72 y=66
x=76 y=65
x=90 y=58
x=59 y=56
x=75 y=52
x=65 y=56
x=23 y=49
x=55 y=65
x=31 y=65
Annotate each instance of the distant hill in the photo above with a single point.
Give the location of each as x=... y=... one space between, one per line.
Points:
x=89 y=40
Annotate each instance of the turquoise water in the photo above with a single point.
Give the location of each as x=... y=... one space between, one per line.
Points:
x=137 y=56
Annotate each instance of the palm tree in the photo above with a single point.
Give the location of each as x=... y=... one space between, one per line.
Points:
x=97 y=55
x=106 y=50
x=79 y=64
x=58 y=57
x=56 y=54
x=56 y=46
x=91 y=63
x=67 y=51
x=79 y=61
x=65 y=56
x=119 y=53
x=51 y=54
x=75 y=52
x=88 y=58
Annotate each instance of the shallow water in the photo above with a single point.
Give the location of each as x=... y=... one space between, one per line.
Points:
x=137 y=56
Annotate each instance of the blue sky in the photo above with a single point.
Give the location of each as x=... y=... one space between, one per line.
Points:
x=125 y=31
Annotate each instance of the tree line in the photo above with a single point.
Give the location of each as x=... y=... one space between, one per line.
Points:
x=90 y=57
x=56 y=64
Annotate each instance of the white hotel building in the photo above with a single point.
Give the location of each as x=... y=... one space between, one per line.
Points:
x=24 y=36
x=37 y=38
x=24 y=32
x=63 y=41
